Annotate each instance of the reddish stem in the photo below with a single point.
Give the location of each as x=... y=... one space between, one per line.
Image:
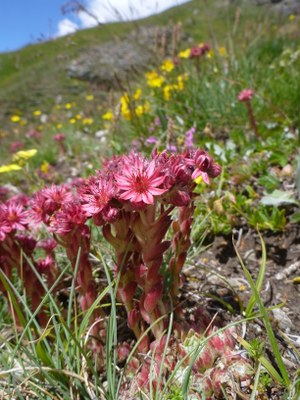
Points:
x=252 y=118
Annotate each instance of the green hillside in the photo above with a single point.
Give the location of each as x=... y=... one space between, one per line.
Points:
x=34 y=75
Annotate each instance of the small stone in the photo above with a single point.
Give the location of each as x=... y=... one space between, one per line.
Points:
x=283 y=321
x=287 y=170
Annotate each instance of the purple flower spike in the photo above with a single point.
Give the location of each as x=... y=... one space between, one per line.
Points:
x=151 y=140
x=172 y=148
x=189 y=137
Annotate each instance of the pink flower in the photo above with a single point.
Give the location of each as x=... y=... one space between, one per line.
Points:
x=59 y=137
x=205 y=166
x=246 y=95
x=4 y=225
x=45 y=264
x=33 y=134
x=97 y=195
x=140 y=181
x=195 y=52
x=55 y=196
x=199 y=51
x=69 y=217
x=48 y=245
x=205 y=48
x=37 y=212
x=28 y=243
x=15 y=146
x=14 y=214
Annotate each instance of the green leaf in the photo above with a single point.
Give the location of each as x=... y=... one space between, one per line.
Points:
x=42 y=351
x=295 y=218
x=278 y=197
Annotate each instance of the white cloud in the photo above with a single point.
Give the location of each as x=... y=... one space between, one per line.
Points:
x=116 y=10
x=66 y=26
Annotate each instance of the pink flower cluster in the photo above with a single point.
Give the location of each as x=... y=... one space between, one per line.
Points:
x=199 y=51
x=133 y=199
x=246 y=95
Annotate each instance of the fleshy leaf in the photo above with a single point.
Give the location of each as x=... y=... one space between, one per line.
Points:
x=278 y=197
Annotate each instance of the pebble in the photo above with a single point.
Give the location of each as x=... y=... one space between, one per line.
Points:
x=283 y=321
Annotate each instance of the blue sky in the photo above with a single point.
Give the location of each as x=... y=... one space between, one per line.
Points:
x=24 y=21
x=27 y=21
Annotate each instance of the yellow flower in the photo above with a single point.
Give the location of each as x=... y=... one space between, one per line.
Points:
x=142 y=109
x=23 y=155
x=72 y=121
x=198 y=180
x=108 y=116
x=292 y=17
x=15 y=118
x=126 y=113
x=137 y=94
x=153 y=79
x=68 y=106
x=9 y=168
x=156 y=82
x=180 y=80
x=124 y=100
x=151 y=75
x=184 y=53
x=78 y=117
x=58 y=126
x=180 y=141
x=223 y=52
x=89 y=97
x=45 y=167
x=37 y=113
x=87 y=121
x=167 y=66
x=146 y=107
x=139 y=110
x=210 y=54
x=23 y=122
x=167 y=92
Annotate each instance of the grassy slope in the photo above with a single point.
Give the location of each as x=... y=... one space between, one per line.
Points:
x=37 y=72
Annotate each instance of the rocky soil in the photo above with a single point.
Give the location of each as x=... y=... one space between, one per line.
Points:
x=116 y=61
x=285 y=7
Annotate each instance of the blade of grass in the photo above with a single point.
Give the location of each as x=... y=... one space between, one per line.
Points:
x=266 y=321
x=111 y=332
x=165 y=348
x=32 y=318
x=13 y=299
x=260 y=278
